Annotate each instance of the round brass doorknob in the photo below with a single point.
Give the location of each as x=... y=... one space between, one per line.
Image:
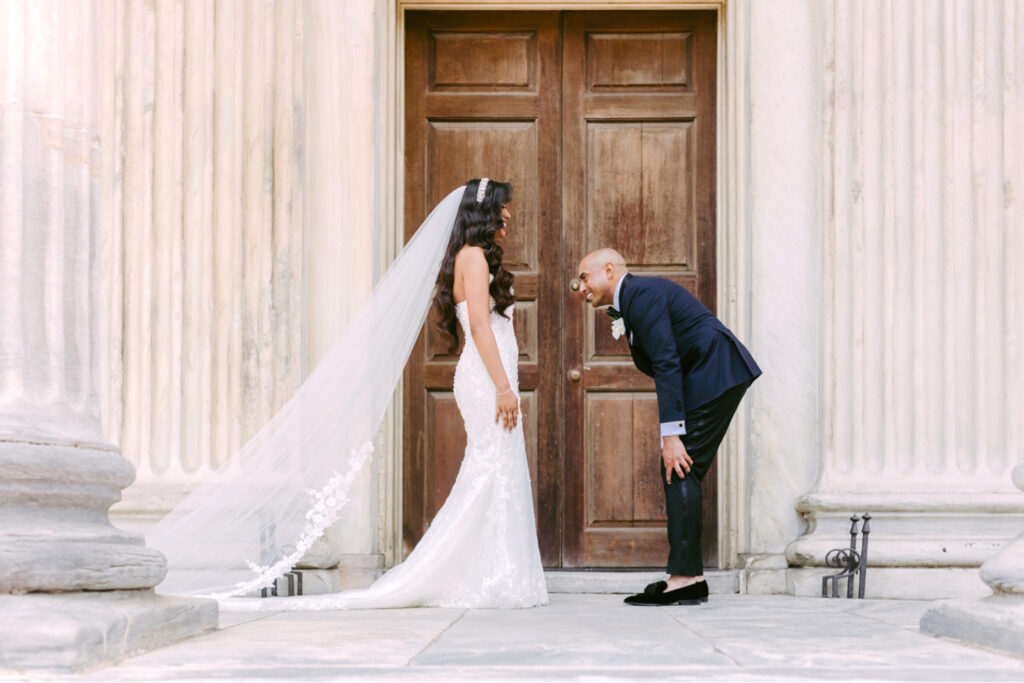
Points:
x=575 y=375
x=574 y=285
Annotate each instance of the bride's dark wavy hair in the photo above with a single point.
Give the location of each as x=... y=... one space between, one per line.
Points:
x=475 y=225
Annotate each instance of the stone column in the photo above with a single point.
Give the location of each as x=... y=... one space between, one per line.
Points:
x=58 y=476
x=995 y=622
x=203 y=213
x=921 y=398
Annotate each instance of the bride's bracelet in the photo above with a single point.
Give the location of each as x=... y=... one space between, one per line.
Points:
x=505 y=392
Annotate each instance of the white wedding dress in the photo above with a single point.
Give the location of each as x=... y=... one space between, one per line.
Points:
x=481 y=549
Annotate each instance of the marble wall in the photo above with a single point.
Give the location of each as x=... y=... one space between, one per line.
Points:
x=784 y=166
x=239 y=227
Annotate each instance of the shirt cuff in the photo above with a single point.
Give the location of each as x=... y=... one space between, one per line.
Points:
x=672 y=429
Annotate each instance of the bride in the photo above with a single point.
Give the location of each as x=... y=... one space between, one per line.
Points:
x=481 y=549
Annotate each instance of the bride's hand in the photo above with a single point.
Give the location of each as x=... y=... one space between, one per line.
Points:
x=507 y=409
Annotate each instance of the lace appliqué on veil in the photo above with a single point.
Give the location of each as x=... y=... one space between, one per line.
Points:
x=326 y=505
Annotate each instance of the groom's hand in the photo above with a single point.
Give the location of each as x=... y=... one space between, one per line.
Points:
x=673 y=452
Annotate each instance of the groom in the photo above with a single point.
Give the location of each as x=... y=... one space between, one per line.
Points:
x=701 y=372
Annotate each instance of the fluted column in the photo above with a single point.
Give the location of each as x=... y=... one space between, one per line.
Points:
x=58 y=475
x=203 y=200
x=923 y=307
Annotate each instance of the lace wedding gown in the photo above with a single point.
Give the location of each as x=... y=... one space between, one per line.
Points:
x=481 y=549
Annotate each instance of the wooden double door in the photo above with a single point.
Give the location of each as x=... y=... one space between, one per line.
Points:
x=604 y=122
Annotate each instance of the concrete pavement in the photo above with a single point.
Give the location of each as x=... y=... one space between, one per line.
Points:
x=576 y=637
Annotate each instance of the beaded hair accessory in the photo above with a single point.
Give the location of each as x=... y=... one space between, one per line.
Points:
x=481 y=189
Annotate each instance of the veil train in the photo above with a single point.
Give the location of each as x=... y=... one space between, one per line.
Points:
x=263 y=508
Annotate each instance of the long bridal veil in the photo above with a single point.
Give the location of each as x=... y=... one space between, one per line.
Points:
x=263 y=509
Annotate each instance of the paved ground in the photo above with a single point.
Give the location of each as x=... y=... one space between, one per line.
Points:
x=576 y=637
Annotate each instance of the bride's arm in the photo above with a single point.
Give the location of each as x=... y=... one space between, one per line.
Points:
x=476 y=280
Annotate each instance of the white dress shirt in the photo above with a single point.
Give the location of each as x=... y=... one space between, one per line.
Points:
x=667 y=428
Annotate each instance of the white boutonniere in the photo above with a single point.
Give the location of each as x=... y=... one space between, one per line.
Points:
x=618 y=328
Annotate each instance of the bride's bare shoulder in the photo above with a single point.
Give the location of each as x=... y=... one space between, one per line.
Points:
x=471 y=253
x=471 y=258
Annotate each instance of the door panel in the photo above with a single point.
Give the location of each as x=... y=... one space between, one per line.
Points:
x=654 y=210
x=482 y=99
x=638 y=175
x=633 y=60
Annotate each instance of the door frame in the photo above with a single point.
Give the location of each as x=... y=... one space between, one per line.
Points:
x=733 y=229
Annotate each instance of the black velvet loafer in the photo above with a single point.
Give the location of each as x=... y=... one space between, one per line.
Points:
x=655 y=595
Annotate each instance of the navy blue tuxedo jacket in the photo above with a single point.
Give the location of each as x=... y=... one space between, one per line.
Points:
x=675 y=339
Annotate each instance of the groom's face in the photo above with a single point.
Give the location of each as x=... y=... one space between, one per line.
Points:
x=597 y=282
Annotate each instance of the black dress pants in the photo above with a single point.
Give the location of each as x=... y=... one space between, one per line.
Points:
x=706 y=426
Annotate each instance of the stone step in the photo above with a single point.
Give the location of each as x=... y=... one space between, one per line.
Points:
x=76 y=631
x=720 y=581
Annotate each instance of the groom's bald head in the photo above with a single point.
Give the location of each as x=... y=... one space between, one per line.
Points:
x=599 y=275
x=605 y=255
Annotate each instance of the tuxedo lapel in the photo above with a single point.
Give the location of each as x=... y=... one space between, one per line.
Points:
x=625 y=297
x=636 y=349
x=623 y=294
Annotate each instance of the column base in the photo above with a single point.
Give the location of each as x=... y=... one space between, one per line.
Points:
x=54 y=531
x=895 y=583
x=769 y=574
x=921 y=546
x=77 y=631
x=995 y=623
x=910 y=529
